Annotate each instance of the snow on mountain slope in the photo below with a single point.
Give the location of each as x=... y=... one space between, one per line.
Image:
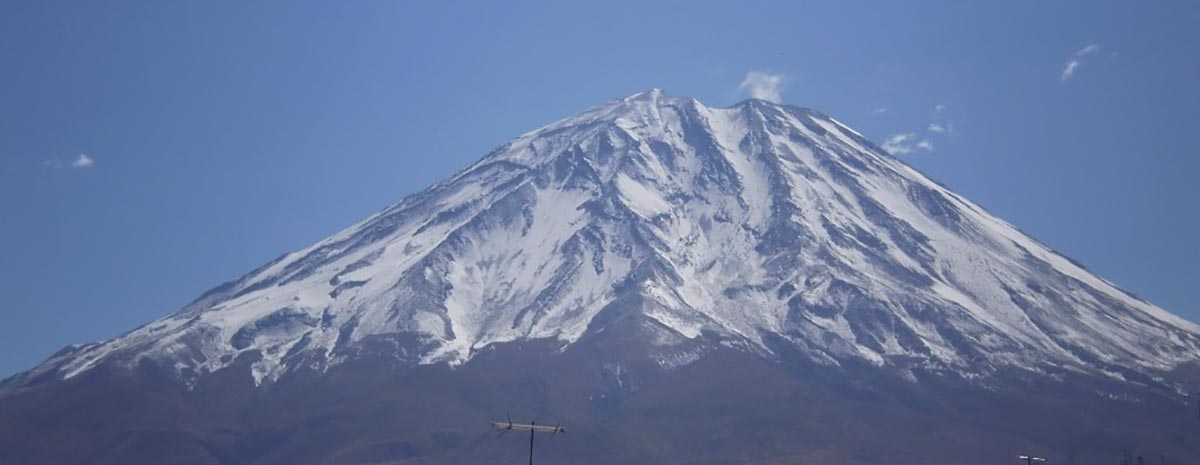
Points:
x=749 y=224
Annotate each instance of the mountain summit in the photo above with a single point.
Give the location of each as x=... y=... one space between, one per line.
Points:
x=763 y=227
x=676 y=283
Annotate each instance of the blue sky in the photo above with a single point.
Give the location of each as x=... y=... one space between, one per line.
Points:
x=152 y=150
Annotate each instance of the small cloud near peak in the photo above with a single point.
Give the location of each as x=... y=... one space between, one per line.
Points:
x=763 y=85
x=84 y=161
x=1072 y=64
x=906 y=142
x=899 y=144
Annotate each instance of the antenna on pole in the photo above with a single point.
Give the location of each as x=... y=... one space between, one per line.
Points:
x=532 y=427
x=1030 y=460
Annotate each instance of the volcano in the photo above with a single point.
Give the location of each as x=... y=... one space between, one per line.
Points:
x=676 y=283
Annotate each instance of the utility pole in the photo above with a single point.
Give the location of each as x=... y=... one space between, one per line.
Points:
x=532 y=427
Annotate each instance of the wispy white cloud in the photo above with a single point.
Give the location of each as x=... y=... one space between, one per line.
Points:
x=879 y=111
x=84 y=161
x=53 y=164
x=763 y=85
x=899 y=144
x=1075 y=60
x=937 y=128
x=938 y=109
x=905 y=143
x=1069 y=71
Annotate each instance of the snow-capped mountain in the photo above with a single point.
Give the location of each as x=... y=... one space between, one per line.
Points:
x=678 y=284
x=754 y=227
